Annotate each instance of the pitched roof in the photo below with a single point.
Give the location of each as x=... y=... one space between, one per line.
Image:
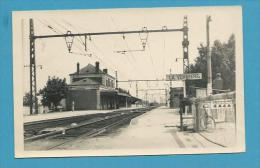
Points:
x=85 y=81
x=88 y=69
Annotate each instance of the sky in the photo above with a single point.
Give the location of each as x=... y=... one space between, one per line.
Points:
x=155 y=62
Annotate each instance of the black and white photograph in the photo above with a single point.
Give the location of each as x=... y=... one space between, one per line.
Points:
x=133 y=81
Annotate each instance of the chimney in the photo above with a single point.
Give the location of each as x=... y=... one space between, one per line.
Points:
x=97 y=67
x=105 y=71
x=78 y=68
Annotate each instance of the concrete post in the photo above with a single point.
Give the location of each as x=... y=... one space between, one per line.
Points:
x=72 y=106
x=181 y=117
x=196 y=129
x=209 y=84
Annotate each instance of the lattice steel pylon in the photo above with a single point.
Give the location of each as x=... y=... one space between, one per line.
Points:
x=185 y=45
x=33 y=88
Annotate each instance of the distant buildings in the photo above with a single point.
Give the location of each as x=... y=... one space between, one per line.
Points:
x=91 y=88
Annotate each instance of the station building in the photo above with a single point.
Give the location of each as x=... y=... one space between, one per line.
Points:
x=91 y=88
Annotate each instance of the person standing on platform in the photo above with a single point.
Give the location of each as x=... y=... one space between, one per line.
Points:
x=217 y=84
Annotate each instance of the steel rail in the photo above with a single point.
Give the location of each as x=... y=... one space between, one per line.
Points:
x=63 y=131
x=69 y=128
x=96 y=131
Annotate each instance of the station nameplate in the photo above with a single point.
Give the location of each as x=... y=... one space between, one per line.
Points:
x=179 y=77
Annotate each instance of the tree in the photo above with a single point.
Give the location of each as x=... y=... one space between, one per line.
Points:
x=53 y=92
x=27 y=99
x=223 y=61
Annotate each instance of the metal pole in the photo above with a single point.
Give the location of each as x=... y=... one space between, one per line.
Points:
x=166 y=101
x=209 y=84
x=197 y=124
x=185 y=45
x=184 y=82
x=116 y=81
x=126 y=104
x=33 y=88
x=182 y=109
x=85 y=43
x=136 y=89
x=146 y=99
x=181 y=118
x=109 y=33
x=170 y=78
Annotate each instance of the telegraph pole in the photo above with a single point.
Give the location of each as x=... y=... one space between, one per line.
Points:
x=209 y=84
x=33 y=88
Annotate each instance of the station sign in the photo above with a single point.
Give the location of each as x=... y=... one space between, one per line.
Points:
x=181 y=77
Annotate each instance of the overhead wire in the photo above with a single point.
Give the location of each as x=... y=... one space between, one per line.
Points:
x=140 y=71
x=134 y=63
x=150 y=55
x=164 y=53
x=55 y=30
x=116 y=26
x=95 y=46
x=92 y=54
x=77 y=38
x=47 y=25
x=49 y=28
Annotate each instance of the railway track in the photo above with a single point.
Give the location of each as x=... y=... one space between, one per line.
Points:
x=91 y=127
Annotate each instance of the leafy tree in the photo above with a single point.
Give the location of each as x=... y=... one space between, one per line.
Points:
x=26 y=99
x=223 y=61
x=53 y=92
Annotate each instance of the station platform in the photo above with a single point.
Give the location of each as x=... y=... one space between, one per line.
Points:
x=66 y=114
x=154 y=130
